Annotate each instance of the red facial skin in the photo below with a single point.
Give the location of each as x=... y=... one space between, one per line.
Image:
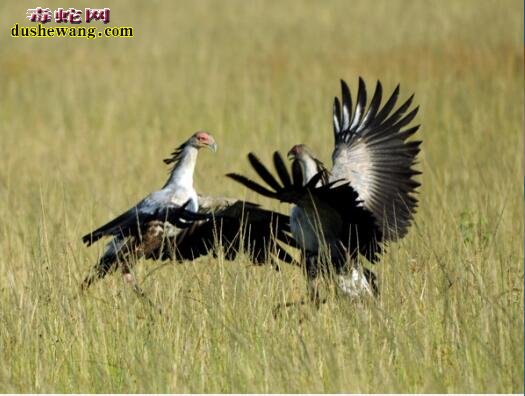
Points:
x=204 y=137
x=295 y=151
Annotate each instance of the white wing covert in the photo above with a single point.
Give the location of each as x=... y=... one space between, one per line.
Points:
x=372 y=152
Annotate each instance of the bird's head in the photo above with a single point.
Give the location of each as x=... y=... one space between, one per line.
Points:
x=203 y=139
x=198 y=140
x=299 y=152
x=310 y=165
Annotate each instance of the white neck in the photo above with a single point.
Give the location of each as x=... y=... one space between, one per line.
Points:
x=182 y=173
x=309 y=168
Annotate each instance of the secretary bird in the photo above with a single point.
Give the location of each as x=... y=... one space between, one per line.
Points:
x=366 y=201
x=166 y=224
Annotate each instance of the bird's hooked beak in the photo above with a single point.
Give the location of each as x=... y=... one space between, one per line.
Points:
x=213 y=147
x=294 y=151
x=203 y=139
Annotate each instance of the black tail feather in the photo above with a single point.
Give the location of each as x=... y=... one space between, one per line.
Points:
x=360 y=104
x=252 y=185
x=346 y=114
x=373 y=107
x=263 y=172
x=280 y=167
x=387 y=108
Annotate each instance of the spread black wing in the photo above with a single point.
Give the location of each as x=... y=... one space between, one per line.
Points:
x=136 y=220
x=232 y=226
x=336 y=205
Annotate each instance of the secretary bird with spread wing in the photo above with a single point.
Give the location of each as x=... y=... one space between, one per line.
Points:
x=366 y=200
x=176 y=223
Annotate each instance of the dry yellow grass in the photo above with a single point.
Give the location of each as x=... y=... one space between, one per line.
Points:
x=84 y=125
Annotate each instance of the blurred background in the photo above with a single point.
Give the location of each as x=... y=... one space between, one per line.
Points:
x=257 y=73
x=84 y=125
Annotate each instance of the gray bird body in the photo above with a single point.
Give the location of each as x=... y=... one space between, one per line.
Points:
x=176 y=223
x=372 y=154
x=305 y=227
x=365 y=200
x=142 y=229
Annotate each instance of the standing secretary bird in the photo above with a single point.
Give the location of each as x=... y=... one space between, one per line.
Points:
x=366 y=200
x=140 y=231
x=176 y=223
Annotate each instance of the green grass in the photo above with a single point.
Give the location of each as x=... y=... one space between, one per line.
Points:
x=84 y=125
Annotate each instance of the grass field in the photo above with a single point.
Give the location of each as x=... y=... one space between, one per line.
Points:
x=85 y=124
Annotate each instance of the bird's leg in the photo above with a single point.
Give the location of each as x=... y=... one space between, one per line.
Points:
x=92 y=276
x=131 y=280
x=313 y=292
x=106 y=264
x=314 y=275
x=371 y=277
x=313 y=297
x=350 y=277
x=313 y=283
x=357 y=282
